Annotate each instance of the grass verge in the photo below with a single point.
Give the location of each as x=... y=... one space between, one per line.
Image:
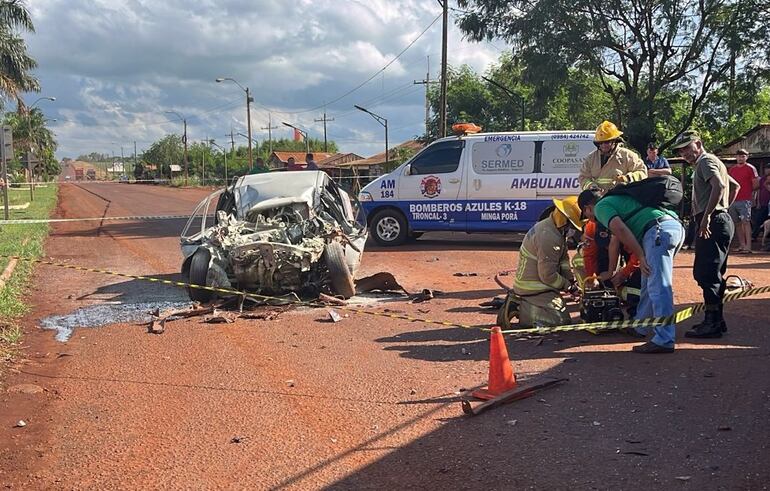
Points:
x=26 y=241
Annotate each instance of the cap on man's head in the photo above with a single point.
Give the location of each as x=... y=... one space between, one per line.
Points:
x=742 y=151
x=652 y=146
x=685 y=139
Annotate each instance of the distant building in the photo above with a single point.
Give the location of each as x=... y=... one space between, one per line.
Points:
x=375 y=165
x=756 y=141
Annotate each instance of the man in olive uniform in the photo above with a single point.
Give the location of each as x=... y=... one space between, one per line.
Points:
x=713 y=191
x=543 y=271
x=610 y=163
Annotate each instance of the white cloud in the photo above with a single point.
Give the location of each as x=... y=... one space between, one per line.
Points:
x=116 y=66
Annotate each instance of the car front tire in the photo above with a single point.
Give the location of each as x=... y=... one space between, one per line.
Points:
x=199 y=269
x=339 y=273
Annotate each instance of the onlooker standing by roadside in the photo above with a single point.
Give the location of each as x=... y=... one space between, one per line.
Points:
x=656 y=165
x=746 y=176
x=292 y=164
x=713 y=190
x=311 y=165
x=760 y=214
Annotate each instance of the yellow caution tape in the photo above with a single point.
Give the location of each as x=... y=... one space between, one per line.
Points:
x=96 y=219
x=675 y=318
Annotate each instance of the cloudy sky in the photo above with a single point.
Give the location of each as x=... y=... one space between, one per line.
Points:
x=116 y=66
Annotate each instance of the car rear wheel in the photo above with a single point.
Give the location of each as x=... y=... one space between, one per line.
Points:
x=389 y=228
x=199 y=269
x=339 y=273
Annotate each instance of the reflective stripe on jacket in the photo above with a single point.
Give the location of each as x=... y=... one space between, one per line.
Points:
x=622 y=162
x=543 y=260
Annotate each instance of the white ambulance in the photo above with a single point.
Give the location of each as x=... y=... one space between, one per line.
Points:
x=482 y=182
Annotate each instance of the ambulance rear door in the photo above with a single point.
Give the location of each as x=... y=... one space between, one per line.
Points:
x=500 y=184
x=562 y=156
x=430 y=185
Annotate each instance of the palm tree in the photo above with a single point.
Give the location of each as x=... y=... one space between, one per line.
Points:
x=15 y=63
x=30 y=133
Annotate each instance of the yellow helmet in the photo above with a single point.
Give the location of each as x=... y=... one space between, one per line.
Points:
x=570 y=209
x=607 y=131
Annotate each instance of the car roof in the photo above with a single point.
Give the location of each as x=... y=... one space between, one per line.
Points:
x=276 y=186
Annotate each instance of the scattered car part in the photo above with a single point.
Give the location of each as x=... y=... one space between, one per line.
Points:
x=382 y=281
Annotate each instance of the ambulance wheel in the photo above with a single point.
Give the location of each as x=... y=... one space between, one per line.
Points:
x=389 y=227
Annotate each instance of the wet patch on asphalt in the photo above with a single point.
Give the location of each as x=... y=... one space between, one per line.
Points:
x=104 y=314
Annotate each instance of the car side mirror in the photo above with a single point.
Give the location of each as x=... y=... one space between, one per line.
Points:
x=408 y=170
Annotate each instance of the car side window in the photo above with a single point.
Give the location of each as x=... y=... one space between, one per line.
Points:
x=440 y=158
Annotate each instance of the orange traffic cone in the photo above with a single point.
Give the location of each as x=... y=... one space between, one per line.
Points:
x=501 y=376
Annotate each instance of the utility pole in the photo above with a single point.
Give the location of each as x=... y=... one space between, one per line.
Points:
x=325 y=119
x=129 y=177
x=6 y=152
x=270 y=129
x=442 y=108
x=185 y=151
x=204 y=161
x=232 y=142
x=249 y=99
x=426 y=82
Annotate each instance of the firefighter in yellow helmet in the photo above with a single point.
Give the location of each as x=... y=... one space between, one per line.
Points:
x=544 y=271
x=610 y=163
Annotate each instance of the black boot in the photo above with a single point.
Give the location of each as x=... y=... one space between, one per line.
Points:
x=711 y=327
x=722 y=318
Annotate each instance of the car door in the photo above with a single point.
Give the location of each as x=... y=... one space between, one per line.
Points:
x=430 y=187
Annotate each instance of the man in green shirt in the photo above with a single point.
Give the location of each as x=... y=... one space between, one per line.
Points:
x=654 y=236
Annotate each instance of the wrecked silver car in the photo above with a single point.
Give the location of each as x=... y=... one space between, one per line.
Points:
x=275 y=233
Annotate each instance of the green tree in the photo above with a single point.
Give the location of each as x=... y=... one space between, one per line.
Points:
x=165 y=152
x=15 y=63
x=501 y=99
x=639 y=49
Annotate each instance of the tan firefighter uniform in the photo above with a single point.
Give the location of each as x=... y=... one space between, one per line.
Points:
x=544 y=270
x=623 y=165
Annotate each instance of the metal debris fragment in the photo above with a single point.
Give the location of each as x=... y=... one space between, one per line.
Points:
x=334 y=316
x=382 y=281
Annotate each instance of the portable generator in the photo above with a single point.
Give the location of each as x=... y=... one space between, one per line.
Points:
x=600 y=306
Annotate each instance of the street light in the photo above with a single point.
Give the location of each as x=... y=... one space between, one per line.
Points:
x=301 y=132
x=184 y=140
x=29 y=137
x=224 y=153
x=383 y=122
x=249 y=100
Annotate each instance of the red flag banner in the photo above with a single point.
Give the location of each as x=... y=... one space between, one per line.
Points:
x=297 y=135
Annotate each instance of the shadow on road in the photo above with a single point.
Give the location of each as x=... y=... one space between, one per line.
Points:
x=622 y=421
x=122 y=229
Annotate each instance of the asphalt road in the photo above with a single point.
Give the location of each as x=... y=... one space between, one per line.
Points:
x=369 y=402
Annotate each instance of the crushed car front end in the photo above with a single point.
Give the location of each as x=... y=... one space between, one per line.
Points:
x=277 y=233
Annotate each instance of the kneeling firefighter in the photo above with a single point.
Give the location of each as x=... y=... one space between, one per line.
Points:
x=544 y=271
